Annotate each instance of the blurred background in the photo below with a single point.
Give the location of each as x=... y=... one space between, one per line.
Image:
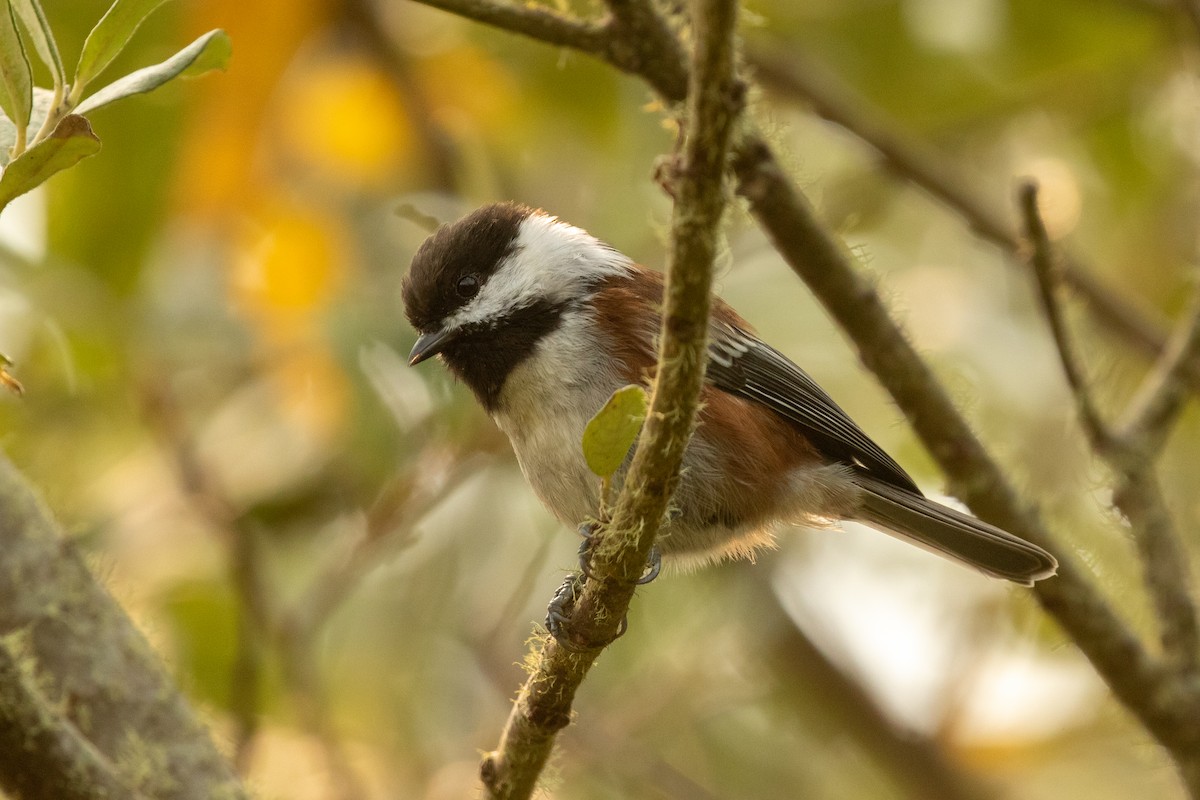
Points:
x=337 y=555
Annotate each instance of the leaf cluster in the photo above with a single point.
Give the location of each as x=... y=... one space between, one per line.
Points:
x=61 y=134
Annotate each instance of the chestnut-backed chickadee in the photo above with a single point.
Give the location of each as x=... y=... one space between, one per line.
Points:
x=544 y=322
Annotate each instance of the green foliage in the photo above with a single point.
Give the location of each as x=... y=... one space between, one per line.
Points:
x=63 y=137
x=609 y=435
x=42 y=38
x=71 y=141
x=211 y=51
x=108 y=39
x=17 y=98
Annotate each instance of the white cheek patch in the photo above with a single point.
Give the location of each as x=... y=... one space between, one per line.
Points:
x=551 y=261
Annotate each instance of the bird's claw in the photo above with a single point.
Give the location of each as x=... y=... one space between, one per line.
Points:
x=559 y=609
x=560 y=605
x=587 y=531
x=558 y=613
x=653 y=567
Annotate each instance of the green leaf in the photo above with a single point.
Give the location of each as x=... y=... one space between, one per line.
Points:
x=42 y=100
x=30 y=12
x=109 y=37
x=609 y=435
x=211 y=51
x=71 y=142
x=17 y=98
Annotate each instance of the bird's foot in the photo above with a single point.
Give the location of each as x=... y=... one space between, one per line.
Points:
x=558 y=613
x=588 y=530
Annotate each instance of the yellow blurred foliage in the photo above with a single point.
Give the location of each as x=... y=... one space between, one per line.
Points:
x=219 y=164
x=343 y=118
x=291 y=267
x=463 y=81
x=312 y=391
x=285 y=277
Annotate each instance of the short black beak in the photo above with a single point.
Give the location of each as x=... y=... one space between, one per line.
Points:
x=429 y=345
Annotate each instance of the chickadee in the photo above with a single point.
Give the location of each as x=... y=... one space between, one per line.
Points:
x=544 y=322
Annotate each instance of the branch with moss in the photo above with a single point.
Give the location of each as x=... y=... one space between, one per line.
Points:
x=84 y=697
x=543 y=706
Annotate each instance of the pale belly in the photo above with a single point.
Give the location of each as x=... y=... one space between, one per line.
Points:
x=544 y=416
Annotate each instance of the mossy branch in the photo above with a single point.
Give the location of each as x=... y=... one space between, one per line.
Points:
x=543 y=706
x=84 y=699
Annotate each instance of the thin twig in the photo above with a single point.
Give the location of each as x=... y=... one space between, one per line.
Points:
x=389 y=528
x=1148 y=421
x=299 y=663
x=1164 y=566
x=441 y=159
x=1137 y=495
x=1046 y=271
x=1160 y=400
x=1192 y=9
x=543 y=705
x=244 y=564
x=246 y=672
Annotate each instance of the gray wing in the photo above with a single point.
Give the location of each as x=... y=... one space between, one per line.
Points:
x=743 y=365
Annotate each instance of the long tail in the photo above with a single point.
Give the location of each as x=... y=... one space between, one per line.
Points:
x=951 y=533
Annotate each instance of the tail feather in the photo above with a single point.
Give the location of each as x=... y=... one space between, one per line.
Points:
x=951 y=533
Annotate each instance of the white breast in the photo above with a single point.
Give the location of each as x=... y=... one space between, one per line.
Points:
x=545 y=405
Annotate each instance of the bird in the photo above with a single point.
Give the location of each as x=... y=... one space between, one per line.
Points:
x=543 y=322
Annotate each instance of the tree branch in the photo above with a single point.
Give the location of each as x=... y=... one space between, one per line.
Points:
x=1046 y=271
x=56 y=761
x=1167 y=708
x=93 y=668
x=1164 y=566
x=535 y=22
x=1160 y=400
x=1130 y=455
x=924 y=167
x=243 y=561
x=1192 y=9
x=543 y=705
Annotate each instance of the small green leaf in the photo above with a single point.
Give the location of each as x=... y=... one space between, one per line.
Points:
x=109 y=37
x=30 y=12
x=210 y=51
x=17 y=98
x=42 y=100
x=609 y=435
x=71 y=142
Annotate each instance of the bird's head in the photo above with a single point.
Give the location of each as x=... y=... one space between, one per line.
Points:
x=482 y=292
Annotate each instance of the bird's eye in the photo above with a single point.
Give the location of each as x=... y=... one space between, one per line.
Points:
x=467 y=286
